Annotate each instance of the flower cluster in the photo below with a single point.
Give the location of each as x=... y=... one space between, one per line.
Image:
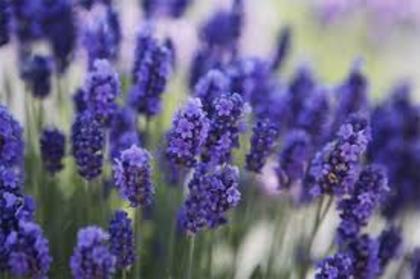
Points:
x=189 y=133
x=53 y=148
x=11 y=144
x=36 y=71
x=210 y=86
x=211 y=194
x=132 y=176
x=390 y=244
x=338 y=266
x=123 y=131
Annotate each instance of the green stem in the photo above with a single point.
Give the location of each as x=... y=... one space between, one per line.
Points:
x=137 y=224
x=171 y=248
x=191 y=258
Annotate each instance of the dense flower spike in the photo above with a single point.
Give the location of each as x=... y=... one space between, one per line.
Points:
x=225 y=116
x=11 y=143
x=335 y=168
x=5 y=16
x=29 y=251
x=364 y=252
x=283 y=48
x=263 y=140
x=211 y=195
x=53 y=148
x=102 y=89
x=153 y=66
x=123 y=132
x=37 y=73
x=339 y=266
x=132 y=176
x=91 y=257
x=390 y=244
x=122 y=244
x=87 y=137
x=293 y=158
x=188 y=134
x=370 y=190
x=11 y=179
x=210 y=86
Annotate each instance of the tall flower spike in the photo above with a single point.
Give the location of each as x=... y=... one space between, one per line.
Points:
x=132 y=176
x=293 y=158
x=153 y=67
x=91 y=257
x=29 y=254
x=283 y=48
x=364 y=252
x=122 y=243
x=188 y=134
x=211 y=195
x=210 y=86
x=336 y=167
x=370 y=190
x=87 y=137
x=338 y=266
x=11 y=143
x=225 y=120
x=263 y=141
x=390 y=244
x=4 y=22
x=37 y=73
x=53 y=145
x=102 y=90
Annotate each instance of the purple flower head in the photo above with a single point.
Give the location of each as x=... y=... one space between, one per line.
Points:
x=293 y=158
x=177 y=8
x=123 y=133
x=225 y=117
x=79 y=102
x=122 y=243
x=28 y=251
x=132 y=176
x=370 y=190
x=91 y=257
x=36 y=72
x=5 y=17
x=336 y=167
x=87 y=137
x=11 y=143
x=11 y=179
x=26 y=19
x=211 y=194
x=339 y=266
x=283 y=48
x=53 y=148
x=263 y=140
x=188 y=134
x=364 y=252
x=204 y=60
x=390 y=244
x=102 y=88
x=152 y=69
x=210 y=86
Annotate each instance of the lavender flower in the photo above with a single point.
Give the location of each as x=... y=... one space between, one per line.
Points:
x=188 y=134
x=204 y=60
x=153 y=68
x=37 y=73
x=122 y=244
x=91 y=257
x=28 y=251
x=4 y=22
x=370 y=189
x=211 y=195
x=79 y=101
x=132 y=175
x=262 y=144
x=335 y=168
x=87 y=137
x=52 y=144
x=283 y=48
x=211 y=85
x=145 y=44
x=102 y=89
x=11 y=179
x=390 y=244
x=123 y=132
x=26 y=19
x=11 y=144
x=415 y=263
x=339 y=266
x=293 y=158
x=364 y=252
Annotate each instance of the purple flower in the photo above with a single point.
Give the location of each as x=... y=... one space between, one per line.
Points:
x=390 y=244
x=293 y=158
x=364 y=252
x=211 y=194
x=26 y=15
x=5 y=17
x=415 y=263
x=204 y=60
x=91 y=257
x=132 y=176
x=102 y=88
x=339 y=266
x=11 y=179
x=36 y=71
x=11 y=143
x=28 y=251
x=87 y=137
x=335 y=168
x=283 y=48
x=79 y=102
x=122 y=243
x=53 y=145
x=262 y=142
x=188 y=134
x=123 y=132
x=210 y=86
x=152 y=69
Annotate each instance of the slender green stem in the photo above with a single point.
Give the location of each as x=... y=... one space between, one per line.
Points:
x=137 y=224
x=124 y=274
x=191 y=258
x=171 y=248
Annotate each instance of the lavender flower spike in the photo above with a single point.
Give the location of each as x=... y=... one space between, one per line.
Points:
x=188 y=134
x=11 y=143
x=132 y=175
x=53 y=143
x=91 y=257
x=338 y=266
